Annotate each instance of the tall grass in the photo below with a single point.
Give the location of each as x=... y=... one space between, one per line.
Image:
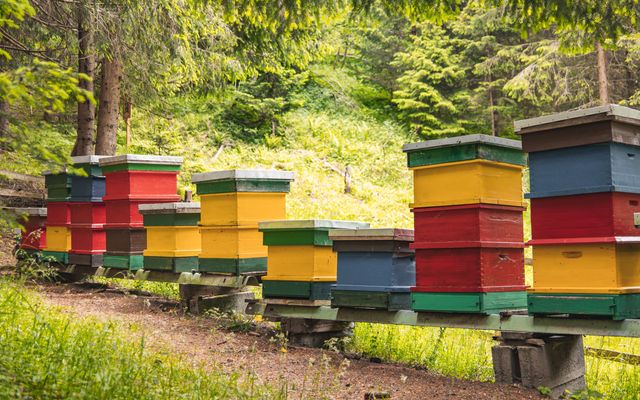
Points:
x=49 y=355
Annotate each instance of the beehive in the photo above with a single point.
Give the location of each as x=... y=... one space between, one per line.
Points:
x=58 y=238
x=468 y=225
x=376 y=268
x=301 y=261
x=132 y=180
x=232 y=204
x=89 y=188
x=601 y=167
x=607 y=123
x=173 y=238
x=58 y=213
x=33 y=236
x=58 y=186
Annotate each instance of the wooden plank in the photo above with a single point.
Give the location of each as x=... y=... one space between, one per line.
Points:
x=299 y=302
x=19 y=193
x=22 y=177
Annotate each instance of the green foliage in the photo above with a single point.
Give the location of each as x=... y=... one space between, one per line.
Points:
x=74 y=358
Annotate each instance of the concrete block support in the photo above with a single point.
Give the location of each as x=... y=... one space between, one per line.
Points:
x=199 y=298
x=314 y=333
x=534 y=361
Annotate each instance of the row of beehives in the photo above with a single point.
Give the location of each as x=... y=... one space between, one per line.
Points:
x=468 y=250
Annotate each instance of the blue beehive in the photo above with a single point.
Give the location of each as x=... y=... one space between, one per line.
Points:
x=88 y=188
x=376 y=268
x=602 y=167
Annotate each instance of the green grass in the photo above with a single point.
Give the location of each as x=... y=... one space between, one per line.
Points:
x=47 y=354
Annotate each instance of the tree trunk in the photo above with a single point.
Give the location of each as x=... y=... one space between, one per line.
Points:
x=492 y=110
x=108 y=109
x=603 y=80
x=86 y=65
x=127 y=113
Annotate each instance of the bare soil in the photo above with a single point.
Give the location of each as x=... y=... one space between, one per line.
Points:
x=308 y=373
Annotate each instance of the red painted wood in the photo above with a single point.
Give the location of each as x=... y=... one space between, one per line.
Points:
x=468 y=225
x=125 y=214
x=88 y=214
x=585 y=215
x=34 y=235
x=88 y=240
x=141 y=185
x=58 y=213
x=470 y=269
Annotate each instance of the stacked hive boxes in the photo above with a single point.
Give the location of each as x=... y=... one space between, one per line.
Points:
x=173 y=237
x=132 y=180
x=468 y=224
x=232 y=204
x=87 y=213
x=302 y=263
x=376 y=268
x=33 y=236
x=585 y=189
x=58 y=216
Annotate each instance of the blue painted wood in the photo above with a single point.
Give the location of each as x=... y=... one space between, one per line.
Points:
x=603 y=167
x=364 y=271
x=87 y=188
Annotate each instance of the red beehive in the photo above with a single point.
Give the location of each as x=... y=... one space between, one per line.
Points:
x=58 y=213
x=87 y=240
x=136 y=185
x=34 y=235
x=125 y=214
x=88 y=214
x=469 y=269
x=593 y=215
x=468 y=225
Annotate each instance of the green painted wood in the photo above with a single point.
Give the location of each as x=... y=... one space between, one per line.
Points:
x=243 y=185
x=176 y=264
x=55 y=256
x=297 y=290
x=140 y=167
x=616 y=306
x=465 y=152
x=131 y=262
x=90 y=169
x=181 y=219
x=58 y=195
x=236 y=266
x=57 y=181
x=483 y=303
x=296 y=237
x=367 y=299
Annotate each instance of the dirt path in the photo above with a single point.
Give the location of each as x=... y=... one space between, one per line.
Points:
x=308 y=371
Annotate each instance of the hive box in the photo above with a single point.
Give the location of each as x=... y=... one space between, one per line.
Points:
x=126 y=241
x=615 y=306
x=33 y=236
x=242 y=197
x=470 y=269
x=376 y=268
x=584 y=216
x=232 y=250
x=468 y=225
x=141 y=177
x=602 y=167
x=301 y=262
x=58 y=213
x=87 y=240
x=90 y=187
x=58 y=186
x=467 y=182
x=58 y=238
x=173 y=238
x=600 y=266
x=464 y=148
x=88 y=214
x=608 y=123
x=91 y=260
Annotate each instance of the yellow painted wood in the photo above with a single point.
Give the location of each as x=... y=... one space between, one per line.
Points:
x=232 y=242
x=172 y=241
x=58 y=238
x=586 y=268
x=302 y=263
x=244 y=208
x=467 y=182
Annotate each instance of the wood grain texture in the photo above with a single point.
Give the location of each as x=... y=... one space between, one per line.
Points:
x=141 y=185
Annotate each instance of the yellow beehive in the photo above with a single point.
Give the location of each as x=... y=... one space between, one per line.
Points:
x=232 y=242
x=58 y=238
x=302 y=263
x=467 y=182
x=172 y=241
x=241 y=208
x=586 y=268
